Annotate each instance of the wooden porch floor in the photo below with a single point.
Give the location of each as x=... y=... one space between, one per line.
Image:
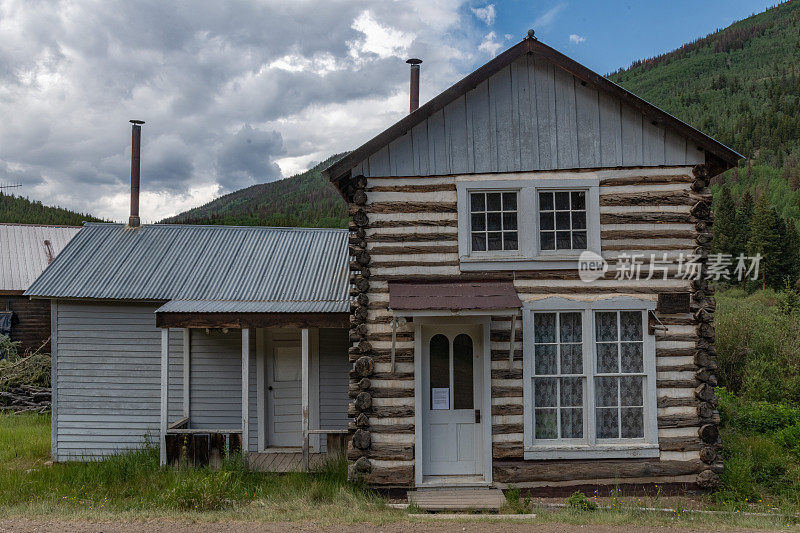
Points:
x=289 y=461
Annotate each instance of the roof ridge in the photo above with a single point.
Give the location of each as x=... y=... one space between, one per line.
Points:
x=221 y=226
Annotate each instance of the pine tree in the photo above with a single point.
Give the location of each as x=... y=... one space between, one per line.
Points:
x=765 y=240
x=744 y=214
x=790 y=259
x=725 y=234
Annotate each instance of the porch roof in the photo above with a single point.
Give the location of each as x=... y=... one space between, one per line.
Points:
x=455 y=296
x=255 y=306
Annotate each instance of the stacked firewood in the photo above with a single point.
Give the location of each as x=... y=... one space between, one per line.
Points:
x=361 y=351
x=705 y=357
x=25 y=398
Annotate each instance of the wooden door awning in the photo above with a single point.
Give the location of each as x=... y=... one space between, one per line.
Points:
x=454 y=296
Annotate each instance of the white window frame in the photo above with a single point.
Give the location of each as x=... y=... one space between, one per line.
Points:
x=488 y=254
x=528 y=255
x=590 y=447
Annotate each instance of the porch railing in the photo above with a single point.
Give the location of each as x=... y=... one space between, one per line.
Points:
x=200 y=447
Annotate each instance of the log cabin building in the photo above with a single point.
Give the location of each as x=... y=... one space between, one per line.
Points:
x=480 y=355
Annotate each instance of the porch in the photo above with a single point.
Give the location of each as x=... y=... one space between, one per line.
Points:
x=273 y=388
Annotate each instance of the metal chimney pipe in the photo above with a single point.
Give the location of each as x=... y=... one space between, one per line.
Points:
x=414 y=92
x=136 y=142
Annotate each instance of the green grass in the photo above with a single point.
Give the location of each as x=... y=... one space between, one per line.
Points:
x=134 y=483
x=131 y=486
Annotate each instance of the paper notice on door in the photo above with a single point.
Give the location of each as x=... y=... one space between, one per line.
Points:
x=440 y=398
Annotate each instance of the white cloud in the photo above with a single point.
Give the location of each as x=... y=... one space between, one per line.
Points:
x=486 y=14
x=233 y=93
x=489 y=44
x=576 y=39
x=379 y=39
x=547 y=18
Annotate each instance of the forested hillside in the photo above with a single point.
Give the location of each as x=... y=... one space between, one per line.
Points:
x=305 y=199
x=740 y=85
x=23 y=211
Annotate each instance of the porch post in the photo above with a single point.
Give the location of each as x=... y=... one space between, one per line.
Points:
x=164 y=395
x=187 y=370
x=306 y=350
x=245 y=391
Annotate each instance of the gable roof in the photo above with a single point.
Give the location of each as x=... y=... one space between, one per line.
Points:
x=339 y=169
x=26 y=250
x=204 y=268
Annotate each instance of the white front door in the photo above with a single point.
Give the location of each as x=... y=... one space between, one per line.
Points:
x=452 y=380
x=284 y=387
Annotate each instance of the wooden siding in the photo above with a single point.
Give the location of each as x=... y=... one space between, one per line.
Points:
x=530 y=116
x=107 y=393
x=31 y=323
x=642 y=210
x=108 y=359
x=334 y=368
x=216 y=382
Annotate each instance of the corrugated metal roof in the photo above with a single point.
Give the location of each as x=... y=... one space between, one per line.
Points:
x=24 y=253
x=210 y=265
x=483 y=295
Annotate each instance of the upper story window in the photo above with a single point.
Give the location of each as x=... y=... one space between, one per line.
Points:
x=589 y=379
x=522 y=224
x=562 y=220
x=493 y=221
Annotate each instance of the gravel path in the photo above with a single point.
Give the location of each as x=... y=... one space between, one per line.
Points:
x=20 y=525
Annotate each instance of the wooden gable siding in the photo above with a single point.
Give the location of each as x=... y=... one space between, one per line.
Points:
x=530 y=116
x=412 y=234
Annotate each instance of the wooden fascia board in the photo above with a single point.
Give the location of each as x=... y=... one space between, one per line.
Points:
x=252 y=320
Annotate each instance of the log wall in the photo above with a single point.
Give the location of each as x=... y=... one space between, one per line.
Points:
x=405 y=229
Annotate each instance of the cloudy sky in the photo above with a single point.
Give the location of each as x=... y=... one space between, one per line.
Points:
x=242 y=92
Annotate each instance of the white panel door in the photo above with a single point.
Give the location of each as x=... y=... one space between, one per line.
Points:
x=284 y=374
x=452 y=378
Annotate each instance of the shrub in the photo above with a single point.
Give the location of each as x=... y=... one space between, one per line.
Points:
x=757 y=343
x=755 y=416
x=580 y=502
x=789 y=439
x=9 y=350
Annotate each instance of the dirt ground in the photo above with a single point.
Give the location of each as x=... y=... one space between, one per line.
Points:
x=20 y=525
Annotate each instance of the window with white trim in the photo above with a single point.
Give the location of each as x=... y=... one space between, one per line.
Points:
x=558 y=382
x=493 y=220
x=589 y=371
x=527 y=223
x=562 y=220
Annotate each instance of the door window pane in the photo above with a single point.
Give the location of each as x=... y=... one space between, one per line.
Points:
x=463 y=357
x=439 y=363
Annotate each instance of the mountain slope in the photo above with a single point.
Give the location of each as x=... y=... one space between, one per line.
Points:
x=305 y=199
x=740 y=85
x=23 y=211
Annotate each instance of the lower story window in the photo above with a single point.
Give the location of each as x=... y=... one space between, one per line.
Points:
x=590 y=379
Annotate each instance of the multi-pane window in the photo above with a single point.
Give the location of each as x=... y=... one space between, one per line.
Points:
x=558 y=382
x=562 y=220
x=620 y=375
x=493 y=221
x=589 y=380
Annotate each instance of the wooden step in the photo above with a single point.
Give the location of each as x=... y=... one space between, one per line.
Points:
x=458 y=499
